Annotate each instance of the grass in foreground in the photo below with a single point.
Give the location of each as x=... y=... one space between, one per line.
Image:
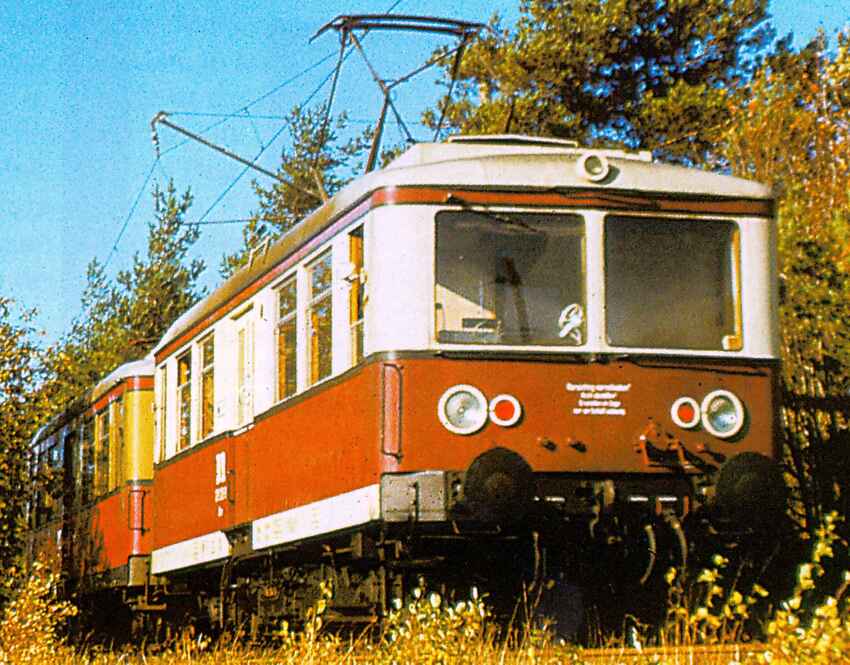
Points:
x=811 y=627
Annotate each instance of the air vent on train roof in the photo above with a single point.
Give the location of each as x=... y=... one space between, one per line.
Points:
x=514 y=139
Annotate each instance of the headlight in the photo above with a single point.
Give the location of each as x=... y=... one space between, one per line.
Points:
x=462 y=409
x=592 y=166
x=722 y=414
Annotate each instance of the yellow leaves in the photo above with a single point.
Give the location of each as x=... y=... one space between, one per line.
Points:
x=719 y=560
x=804 y=577
x=29 y=630
x=708 y=576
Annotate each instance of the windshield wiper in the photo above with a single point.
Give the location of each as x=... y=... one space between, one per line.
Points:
x=615 y=199
x=502 y=219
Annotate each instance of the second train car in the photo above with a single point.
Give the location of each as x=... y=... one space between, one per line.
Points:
x=91 y=510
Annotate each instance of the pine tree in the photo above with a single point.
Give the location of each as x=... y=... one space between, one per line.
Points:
x=643 y=73
x=317 y=165
x=121 y=321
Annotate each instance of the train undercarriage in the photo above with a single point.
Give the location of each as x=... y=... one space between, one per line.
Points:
x=530 y=542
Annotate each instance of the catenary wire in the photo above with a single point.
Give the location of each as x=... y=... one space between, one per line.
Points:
x=130 y=214
x=306 y=101
x=241 y=112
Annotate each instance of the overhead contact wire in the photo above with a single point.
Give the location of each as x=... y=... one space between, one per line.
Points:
x=343 y=56
x=130 y=214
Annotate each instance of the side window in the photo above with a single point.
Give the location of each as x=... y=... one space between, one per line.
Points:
x=162 y=411
x=184 y=400
x=319 y=318
x=54 y=484
x=71 y=465
x=207 y=385
x=287 y=339
x=87 y=460
x=101 y=483
x=116 y=437
x=356 y=294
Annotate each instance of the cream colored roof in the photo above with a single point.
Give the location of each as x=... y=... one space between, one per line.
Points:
x=143 y=367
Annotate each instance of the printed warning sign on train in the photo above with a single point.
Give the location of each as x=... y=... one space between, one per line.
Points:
x=599 y=399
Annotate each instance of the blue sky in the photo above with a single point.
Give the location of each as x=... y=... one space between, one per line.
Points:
x=83 y=79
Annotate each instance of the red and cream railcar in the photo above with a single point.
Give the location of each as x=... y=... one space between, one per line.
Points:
x=92 y=469
x=490 y=335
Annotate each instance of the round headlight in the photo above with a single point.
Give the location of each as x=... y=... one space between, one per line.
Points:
x=722 y=414
x=593 y=166
x=462 y=409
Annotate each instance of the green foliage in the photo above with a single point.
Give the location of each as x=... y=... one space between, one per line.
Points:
x=649 y=74
x=318 y=164
x=122 y=320
x=21 y=408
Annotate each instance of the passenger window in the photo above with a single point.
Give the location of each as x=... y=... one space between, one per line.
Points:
x=87 y=460
x=162 y=412
x=102 y=453
x=184 y=400
x=287 y=340
x=117 y=439
x=207 y=385
x=319 y=318
x=71 y=465
x=356 y=294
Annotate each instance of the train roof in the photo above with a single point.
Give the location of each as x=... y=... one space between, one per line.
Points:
x=144 y=367
x=500 y=162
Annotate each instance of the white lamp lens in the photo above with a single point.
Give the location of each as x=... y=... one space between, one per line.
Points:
x=722 y=414
x=462 y=409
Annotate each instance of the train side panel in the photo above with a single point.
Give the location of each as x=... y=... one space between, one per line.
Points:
x=320 y=447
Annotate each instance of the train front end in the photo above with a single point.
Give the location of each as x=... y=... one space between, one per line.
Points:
x=493 y=362
x=595 y=355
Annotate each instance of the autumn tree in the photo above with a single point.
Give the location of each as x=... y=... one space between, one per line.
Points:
x=790 y=128
x=317 y=165
x=21 y=411
x=121 y=320
x=643 y=73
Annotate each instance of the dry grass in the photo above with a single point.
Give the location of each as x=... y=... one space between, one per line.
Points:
x=811 y=627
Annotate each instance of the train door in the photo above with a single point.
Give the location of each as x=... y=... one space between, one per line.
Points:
x=244 y=368
x=230 y=461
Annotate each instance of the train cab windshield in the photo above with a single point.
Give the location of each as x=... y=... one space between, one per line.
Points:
x=672 y=283
x=510 y=279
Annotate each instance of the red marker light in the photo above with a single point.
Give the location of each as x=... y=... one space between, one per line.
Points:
x=505 y=410
x=685 y=412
